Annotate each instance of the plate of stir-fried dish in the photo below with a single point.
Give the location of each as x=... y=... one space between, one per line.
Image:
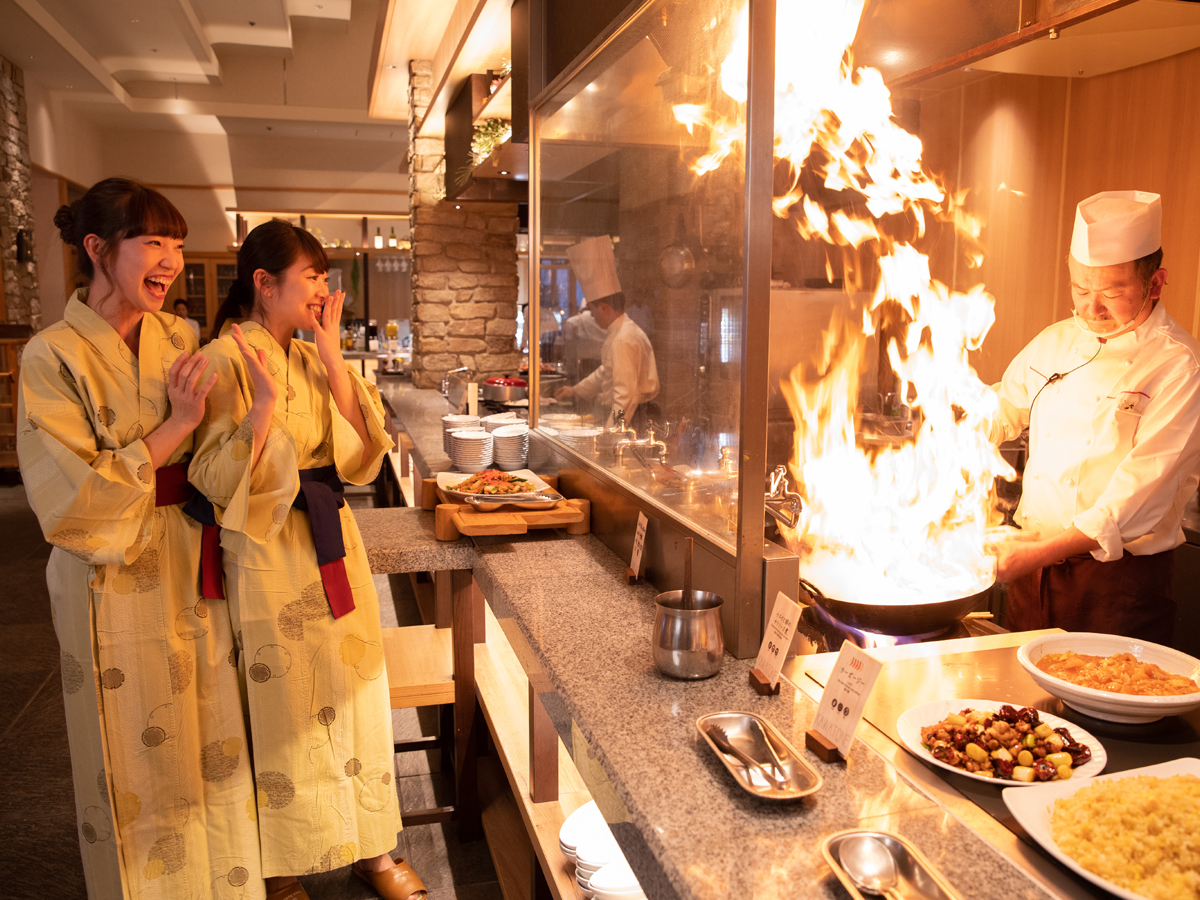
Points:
x=515 y=486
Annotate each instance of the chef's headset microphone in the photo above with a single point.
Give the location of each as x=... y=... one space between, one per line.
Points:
x=1059 y=376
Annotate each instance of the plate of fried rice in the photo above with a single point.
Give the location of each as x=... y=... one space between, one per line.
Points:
x=1132 y=833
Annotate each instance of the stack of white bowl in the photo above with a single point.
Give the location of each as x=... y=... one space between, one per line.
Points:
x=539 y=451
x=456 y=423
x=499 y=420
x=581 y=440
x=510 y=446
x=470 y=450
x=615 y=881
x=587 y=841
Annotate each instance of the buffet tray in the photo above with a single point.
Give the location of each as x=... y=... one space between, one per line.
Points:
x=918 y=877
x=803 y=779
x=454 y=518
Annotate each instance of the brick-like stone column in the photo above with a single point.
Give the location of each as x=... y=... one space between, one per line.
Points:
x=21 y=302
x=464 y=269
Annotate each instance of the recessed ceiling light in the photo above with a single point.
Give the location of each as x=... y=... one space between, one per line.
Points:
x=389 y=66
x=133 y=21
x=252 y=24
x=456 y=206
x=32 y=56
x=268 y=128
x=153 y=49
x=317 y=6
x=503 y=173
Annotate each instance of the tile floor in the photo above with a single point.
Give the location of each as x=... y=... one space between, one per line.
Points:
x=39 y=856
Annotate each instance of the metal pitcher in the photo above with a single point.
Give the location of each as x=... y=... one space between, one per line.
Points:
x=687 y=640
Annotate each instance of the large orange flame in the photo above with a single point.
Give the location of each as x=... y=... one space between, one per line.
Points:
x=903 y=522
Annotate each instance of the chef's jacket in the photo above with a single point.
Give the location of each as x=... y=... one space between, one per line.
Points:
x=1114 y=447
x=628 y=376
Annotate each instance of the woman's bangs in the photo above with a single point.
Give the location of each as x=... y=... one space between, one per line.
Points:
x=152 y=213
x=311 y=248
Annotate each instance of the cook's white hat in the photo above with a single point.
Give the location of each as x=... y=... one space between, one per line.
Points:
x=1115 y=227
x=595 y=266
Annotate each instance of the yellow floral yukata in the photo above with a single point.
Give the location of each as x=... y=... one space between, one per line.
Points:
x=320 y=710
x=163 y=781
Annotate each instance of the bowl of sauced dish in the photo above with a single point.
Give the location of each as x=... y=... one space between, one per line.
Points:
x=1111 y=677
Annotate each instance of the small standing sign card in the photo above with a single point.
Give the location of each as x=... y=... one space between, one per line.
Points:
x=842 y=703
x=634 y=572
x=764 y=677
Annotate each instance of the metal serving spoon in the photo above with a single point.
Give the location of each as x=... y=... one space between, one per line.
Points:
x=869 y=864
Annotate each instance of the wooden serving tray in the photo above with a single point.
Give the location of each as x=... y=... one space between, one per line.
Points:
x=453 y=519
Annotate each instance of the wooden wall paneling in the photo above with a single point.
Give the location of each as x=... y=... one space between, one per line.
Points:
x=1012 y=152
x=1139 y=128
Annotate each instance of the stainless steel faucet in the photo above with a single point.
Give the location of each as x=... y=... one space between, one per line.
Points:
x=648 y=443
x=782 y=503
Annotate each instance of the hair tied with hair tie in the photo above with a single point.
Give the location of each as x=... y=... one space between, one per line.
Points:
x=64 y=221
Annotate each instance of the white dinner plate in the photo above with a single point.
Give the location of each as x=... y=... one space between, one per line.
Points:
x=445 y=479
x=909 y=726
x=1032 y=809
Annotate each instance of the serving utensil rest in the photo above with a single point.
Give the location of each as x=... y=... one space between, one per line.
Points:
x=454 y=518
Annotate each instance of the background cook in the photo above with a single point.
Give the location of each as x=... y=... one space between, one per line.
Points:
x=1112 y=401
x=628 y=376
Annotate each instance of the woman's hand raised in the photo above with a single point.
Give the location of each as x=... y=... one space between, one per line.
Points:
x=266 y=389
x=187 y=388
x=327 y=334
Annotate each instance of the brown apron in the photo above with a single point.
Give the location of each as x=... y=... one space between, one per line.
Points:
x=1130 y=596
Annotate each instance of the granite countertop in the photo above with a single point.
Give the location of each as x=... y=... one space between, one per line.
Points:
x=711 y=841
x=402 y=539
x=419 y=413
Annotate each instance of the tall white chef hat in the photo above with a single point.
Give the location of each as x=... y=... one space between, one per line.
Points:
x=1115 y=227
x=595 y=266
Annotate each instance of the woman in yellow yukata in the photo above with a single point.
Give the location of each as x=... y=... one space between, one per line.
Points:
x=107 y=403
x=286 y=423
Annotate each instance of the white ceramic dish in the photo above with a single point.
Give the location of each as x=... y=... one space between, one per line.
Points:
x=1032 y=809
x=615 y=879
x=1128 y=708
x=445 y=479
x=909 y=726
x=578 y=825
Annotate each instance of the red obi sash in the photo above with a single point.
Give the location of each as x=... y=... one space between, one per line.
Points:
x=171 y=486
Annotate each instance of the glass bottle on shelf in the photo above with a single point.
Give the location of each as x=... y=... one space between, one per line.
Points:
x=392 y=239
x=378 y=239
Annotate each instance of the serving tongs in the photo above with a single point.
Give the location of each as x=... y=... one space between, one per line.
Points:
x=721 y=739
x=546 y=497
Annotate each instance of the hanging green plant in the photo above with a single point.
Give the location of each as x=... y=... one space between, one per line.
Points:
x=355 y=278
x=489 y=134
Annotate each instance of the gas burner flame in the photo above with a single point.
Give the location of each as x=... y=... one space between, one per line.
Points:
x=904 y=521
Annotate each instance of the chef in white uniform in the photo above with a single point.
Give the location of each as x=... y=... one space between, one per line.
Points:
x=1111 y=398
x=628 y=377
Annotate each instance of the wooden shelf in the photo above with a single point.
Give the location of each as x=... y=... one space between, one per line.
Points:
x=503 y=691
x=498 y=104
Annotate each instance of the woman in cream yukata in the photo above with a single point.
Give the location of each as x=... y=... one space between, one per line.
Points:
x=286 y=419
x=107 y=402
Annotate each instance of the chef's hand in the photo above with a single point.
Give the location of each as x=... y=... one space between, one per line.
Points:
x=1018 y=555
x=564 y=393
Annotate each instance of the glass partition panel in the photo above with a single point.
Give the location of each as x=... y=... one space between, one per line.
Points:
x=640 y=259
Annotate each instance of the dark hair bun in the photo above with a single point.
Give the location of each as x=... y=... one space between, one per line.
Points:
x=64 y=221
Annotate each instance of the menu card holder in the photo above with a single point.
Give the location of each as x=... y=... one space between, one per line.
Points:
x=824 y=749
x=761 y=684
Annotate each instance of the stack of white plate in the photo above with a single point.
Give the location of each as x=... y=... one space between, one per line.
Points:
x=499 y=420
x=561 y=420
x=470 y=451
x=615 y=881
x=510 y=447
x=581 y=440
x=456 y=423
x=539 y=451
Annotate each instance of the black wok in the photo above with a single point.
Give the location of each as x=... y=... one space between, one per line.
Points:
x=898 y=619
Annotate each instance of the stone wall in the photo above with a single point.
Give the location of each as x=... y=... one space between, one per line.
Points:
x=21 y=303
x=464 y=267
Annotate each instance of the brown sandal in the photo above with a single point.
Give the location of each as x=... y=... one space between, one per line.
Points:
x=397 y=883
